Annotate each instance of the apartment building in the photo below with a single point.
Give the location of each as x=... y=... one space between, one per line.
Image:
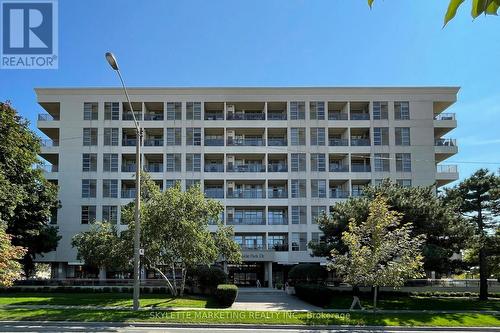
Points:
x=275 y=157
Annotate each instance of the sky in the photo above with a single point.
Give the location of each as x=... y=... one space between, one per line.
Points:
x=282 y=43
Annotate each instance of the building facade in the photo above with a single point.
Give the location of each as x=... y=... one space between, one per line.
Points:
x=275 y=157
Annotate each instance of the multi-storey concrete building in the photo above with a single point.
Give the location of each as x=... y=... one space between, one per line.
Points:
x=275 y=157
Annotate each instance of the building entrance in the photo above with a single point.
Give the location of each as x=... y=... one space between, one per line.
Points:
x=247 y=274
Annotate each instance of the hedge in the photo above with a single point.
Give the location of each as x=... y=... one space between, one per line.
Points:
x=307 y=273
x=315 y=294
x=226 y=294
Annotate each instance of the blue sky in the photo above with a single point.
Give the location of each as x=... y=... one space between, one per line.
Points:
x=282 y=43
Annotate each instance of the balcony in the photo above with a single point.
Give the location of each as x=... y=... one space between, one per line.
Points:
x=277 y=168
x=128 y=142
x=338 y=194
x=48 y=167
x=445 y=143
x=246 y=116
x=128 y=193
x=153 y=167
x=212 y=167
x=445 y=116
x=130 y=116
x=360 y=142
x=246 y=142
x=277 y=193
x=356 y=192
x=214 y=115
x=128 y=167
x=338 y=142
x=337 y=115
x=214 y=193
x=49 y=143
x=360 y=116
x=246 y=194
x=153 y=111
x=446 y=174
x=215 y=142
x=152 y=142
x=277 y=220
x=246 y=221
x=277 y=142
x=47 y=117
x=445 y=148
x=246 y=168
x=447 y=168
x=360 y=168
x=153 y=116
x=338 y=168
x=276 y=115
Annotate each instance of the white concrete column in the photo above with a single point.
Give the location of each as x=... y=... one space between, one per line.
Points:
x=102 y=273
x=270 y=274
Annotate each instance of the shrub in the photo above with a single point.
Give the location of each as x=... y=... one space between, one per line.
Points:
x=226 y=294
x=208 y=278
x=307 y=273
x=315 y=294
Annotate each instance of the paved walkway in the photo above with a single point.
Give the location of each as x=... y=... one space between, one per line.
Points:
x=266 y=299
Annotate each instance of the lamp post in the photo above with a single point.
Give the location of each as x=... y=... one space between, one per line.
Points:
x=137 y=225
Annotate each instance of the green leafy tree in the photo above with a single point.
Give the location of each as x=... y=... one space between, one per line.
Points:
x=229 y=250
x=487 y=7
x=444 y=229
x=175 y=232
x=10 y=268
x=478 y=199
x=100 y=247
x=27 y=199
x=381 y=251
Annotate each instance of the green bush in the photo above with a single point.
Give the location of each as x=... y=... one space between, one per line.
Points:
x=226 y=294
x=307 y=273
x=208 y=278
x=315 y=294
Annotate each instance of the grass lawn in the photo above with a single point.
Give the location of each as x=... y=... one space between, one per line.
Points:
x=105 y=299
x=420 y=303
x=254 y=317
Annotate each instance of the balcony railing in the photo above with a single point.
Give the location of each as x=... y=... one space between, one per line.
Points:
x=276 y=116
x=338 y=194
x=128 y=142
x=338 y=142
x=360 y=168
x=153 y=167
x=153 y=116
x=49 y=167
x=356 y=192
x=445 y=116
x=360 y=142
x=214 y=168
x=277 y=168
x=277 y=220
x=245 y=116
x=338 y=168
x=153 y=142
x=246 y=221
x=276 y=142
x=445 y=142
x=128 y=193
x=279 y=247
x=214 y=115
x=128 y=167
x=246 y=142
x=277 y=194
x=246 y=168
x=129 y=116
x=337 y=116
x=49 y=143
x=360 y=116
x=252 y=247
x=214 y=142
x=214 y=193
x=246 y=194
x=447 y=168
x=47 y=117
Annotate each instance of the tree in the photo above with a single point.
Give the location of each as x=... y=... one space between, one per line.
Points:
x=100 y=247
x=10 y=268
x=445 y=231
x=478 y=199
x=487 y=7
x=381 y=251
x=174 y=231
x=229 y=250
x=27 y=199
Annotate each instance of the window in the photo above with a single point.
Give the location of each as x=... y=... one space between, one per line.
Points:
x=111 y=111
x=89 y=162
x=110 y=214
x=111 y=136
x=110 y=188
x=170 y=183
x=381 y=136
x=174 y=136
x=191 y=182
x=317 y=136
x=298 y=161
x=193 y=162
x=90 y=111
x=110 y=162
x=403 y=162
x=402 y=136
x=193 y=110
x=380 y=110
x=89 y=188
x=90 y=136
x=173 y=162
x=174 y=111
x=318 y=188
x=317 y=211
x=277 y=242
x=381 y=162
x=298 y=135
x=317 y=237
x=299 y=214
x=318 y=162
x=88 y=214
x=401 y=110
x=317 y=110
x=298 y=188
x=297 y=110
x=404 y=182
x=299 y=241
x=193 y=136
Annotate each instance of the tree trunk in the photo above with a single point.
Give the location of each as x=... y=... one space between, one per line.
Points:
x=169 y=285
x=174 y=279
x=183 y=280
x=375 y=289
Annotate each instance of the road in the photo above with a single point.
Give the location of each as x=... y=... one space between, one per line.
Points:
x=103 y=327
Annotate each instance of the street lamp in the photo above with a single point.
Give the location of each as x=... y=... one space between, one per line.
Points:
x=137 y=226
